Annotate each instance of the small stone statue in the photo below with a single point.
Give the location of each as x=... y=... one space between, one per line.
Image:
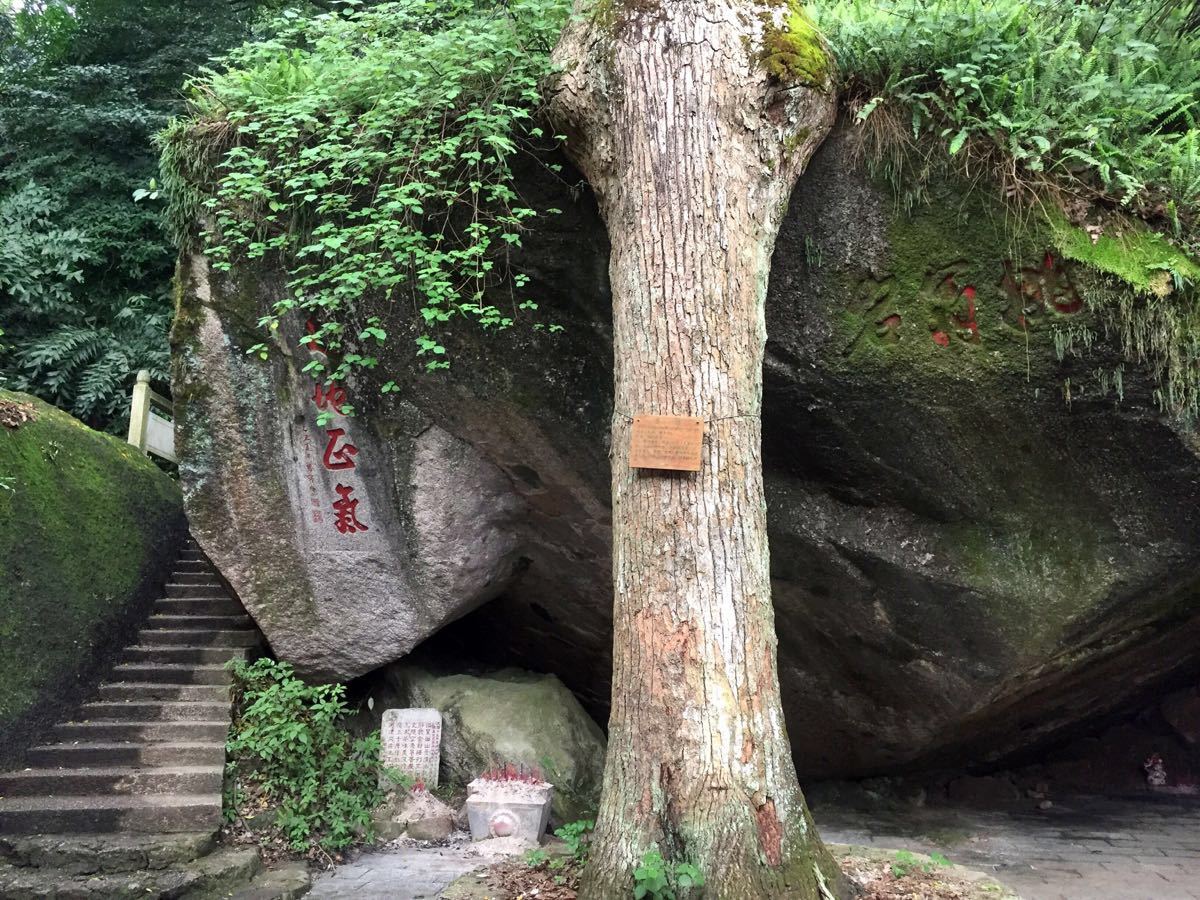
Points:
x=1156 y=774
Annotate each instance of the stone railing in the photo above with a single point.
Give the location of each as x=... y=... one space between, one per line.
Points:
x=149 y=431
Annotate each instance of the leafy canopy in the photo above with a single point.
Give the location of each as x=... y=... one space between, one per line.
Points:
x=84 y=268
x=370 y=150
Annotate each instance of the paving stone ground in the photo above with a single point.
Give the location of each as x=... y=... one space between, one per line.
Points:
x=405 y=873
x=1083 y=849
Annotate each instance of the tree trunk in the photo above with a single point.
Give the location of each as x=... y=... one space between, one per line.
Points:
x=692 y=120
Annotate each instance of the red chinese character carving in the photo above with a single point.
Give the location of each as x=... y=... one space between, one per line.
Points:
x=311 y=341
x=338 y=459
x=332 y=398
x=347 y=511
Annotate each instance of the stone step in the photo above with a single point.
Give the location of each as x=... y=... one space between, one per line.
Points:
x=149 y=690
x=116 y=730
x=172 y=673
x=145 y=813
x=219 y=874
x=289 y=881
x=231 y=638
x=140 y=653
x=118 y=780
x=155 y=710
x=111 y=753
x=86 y=854
x=204 y=578
x=200 y=622
x=196 y=565
x=197 y=606
x=192 y=554
x=176 y=589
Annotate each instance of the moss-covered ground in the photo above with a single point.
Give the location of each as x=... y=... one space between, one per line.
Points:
x=85 y=521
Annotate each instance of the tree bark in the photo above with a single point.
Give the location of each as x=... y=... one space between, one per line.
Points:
x=691 y=120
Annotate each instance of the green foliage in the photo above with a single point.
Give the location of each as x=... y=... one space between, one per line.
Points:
x=796 y=53
x=535 y=858
x=77 y=356
x=1088 y=108
x=371 y=150
x=577 y=835
x=657 y=879
x=83 y=87
x=565 y=869
x=289 y=749
x=1096 y=100
x=907 y=861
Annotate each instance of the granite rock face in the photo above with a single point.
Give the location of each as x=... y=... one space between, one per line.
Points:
x=349 y=544
x=1182 y=712
x=973 y=547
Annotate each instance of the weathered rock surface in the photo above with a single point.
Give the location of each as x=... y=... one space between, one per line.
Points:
x=964 y=562
x=88 y=532
x=1182 y=712
x=504 y=717
x=419 y=814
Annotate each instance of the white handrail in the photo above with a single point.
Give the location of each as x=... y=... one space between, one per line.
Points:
x=148 y=431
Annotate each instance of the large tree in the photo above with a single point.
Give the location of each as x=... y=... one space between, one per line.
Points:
x=692 y=120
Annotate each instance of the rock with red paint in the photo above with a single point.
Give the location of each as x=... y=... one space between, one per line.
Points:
x=964 y=565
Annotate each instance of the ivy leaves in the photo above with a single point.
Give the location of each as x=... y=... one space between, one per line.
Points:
x=370 y=150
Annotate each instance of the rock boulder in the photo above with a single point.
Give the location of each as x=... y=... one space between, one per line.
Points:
x=974 y=547
x=509 y=717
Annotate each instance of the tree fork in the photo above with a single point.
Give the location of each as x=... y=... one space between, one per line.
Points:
x=692 y=120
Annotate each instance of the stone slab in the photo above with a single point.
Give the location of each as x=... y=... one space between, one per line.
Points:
x=411 y=743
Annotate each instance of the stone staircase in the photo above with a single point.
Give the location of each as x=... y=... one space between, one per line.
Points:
x=126 y=799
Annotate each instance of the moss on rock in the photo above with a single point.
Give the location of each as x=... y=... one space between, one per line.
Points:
x=795 y=52
x=88 y=529
x=961 y=299
x=1141 y=258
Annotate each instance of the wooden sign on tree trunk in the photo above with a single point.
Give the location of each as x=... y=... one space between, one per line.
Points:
x=666 y=442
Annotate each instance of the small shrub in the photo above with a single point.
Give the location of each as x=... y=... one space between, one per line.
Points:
x=907 y=861
x=289 y=750
x=657 y=879
x=577 y=836
x=535 y=858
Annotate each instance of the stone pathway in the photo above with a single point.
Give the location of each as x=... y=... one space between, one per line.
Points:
x=405 y=873
x=1087 y=849
x=1084 y=849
